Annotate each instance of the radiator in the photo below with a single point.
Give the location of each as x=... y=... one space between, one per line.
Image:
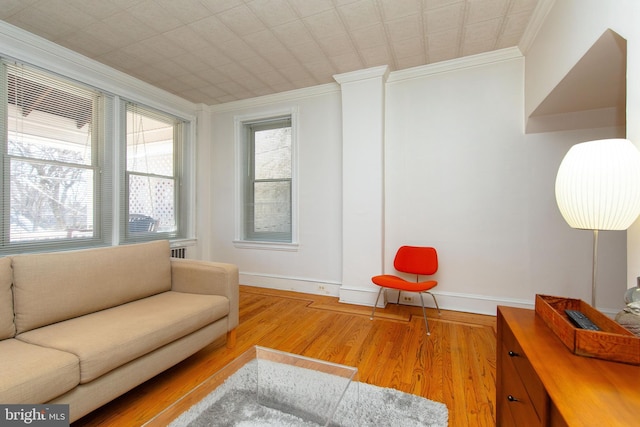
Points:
x=178 y=252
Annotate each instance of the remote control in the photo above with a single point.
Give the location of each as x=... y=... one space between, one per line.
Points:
x=581 y=321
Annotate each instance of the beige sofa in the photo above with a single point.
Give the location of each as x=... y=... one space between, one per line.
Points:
x=84 y=327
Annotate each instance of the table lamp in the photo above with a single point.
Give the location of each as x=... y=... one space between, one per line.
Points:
x=598 y=188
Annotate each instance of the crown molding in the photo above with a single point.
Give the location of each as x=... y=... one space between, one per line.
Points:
x=535 y=24
x=374 y=72
x=367 y=73
x=288 y=96
x=470 y=61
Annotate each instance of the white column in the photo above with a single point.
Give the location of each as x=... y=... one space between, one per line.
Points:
x=362 y=182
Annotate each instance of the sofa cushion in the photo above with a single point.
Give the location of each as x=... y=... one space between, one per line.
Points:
x=7 y=327
x=57 y=286
x=34 y=374
x=110 y=338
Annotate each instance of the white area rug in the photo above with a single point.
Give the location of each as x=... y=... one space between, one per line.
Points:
x=301 y=397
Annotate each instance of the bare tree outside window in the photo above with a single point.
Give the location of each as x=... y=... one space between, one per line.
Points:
x=70 y=149
x=48 y=199
x=51 y=169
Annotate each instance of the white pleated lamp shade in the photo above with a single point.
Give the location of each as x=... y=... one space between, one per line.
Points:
x=598 y=185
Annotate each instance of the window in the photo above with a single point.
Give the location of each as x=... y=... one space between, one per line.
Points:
x=267 y=207
x=63 y=163
x=153 y=140
x=51 y=137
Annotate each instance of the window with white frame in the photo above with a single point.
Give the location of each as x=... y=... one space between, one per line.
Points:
x=154 y=140
x=62 y=162
x=268 y=180
x=52 y=131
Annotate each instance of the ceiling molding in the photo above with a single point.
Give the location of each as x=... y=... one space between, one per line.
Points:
x=535 y=24
x=359 y=75
x=289 y=96
x=478 y=60
x=394 y=76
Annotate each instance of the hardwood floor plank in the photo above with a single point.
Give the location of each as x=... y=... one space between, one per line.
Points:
x=455 y=365
x=434 y=369
x=485 y=377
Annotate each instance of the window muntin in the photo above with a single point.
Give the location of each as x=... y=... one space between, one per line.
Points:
x=268 y=186
x=50 y=165
x=153 y=140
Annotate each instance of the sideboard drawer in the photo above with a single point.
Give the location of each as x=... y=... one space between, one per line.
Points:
x=515 y=398
x=513 y=353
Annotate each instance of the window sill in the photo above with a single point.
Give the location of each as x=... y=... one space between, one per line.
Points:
x=273 y=246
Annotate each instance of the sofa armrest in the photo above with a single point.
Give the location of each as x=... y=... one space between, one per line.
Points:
x=205 y=277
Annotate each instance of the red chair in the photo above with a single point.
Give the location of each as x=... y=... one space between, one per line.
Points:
x=421 y=261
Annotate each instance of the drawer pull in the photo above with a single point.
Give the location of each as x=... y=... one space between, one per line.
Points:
x=511 y=399
x=513 y=353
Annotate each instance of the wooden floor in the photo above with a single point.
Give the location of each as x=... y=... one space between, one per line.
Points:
x=456 y=365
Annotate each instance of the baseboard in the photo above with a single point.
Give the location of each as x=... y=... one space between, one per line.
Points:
x=360 y=296
x=468 y=303
x=303 y=285
x=471 y=303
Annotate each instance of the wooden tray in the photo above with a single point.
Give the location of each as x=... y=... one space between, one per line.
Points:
x=612 y=342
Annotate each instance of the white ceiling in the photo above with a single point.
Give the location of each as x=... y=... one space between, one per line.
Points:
x=216 y=51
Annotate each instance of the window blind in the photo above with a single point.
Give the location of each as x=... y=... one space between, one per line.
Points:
x=50 y=167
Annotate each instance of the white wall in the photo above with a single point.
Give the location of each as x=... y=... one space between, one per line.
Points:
x=315 y=267
x=460 y=174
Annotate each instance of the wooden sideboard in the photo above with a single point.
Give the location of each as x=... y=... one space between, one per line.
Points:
x=539 y=382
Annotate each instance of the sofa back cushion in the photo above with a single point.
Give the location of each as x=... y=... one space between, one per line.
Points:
x=7 y=327
x=58 y=286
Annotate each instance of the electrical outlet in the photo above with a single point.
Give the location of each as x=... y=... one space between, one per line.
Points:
x=321 y=288
x=407 y=299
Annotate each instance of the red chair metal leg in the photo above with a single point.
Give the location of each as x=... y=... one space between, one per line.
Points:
x=424 y=314
x=376 y=303
x=435 y=301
